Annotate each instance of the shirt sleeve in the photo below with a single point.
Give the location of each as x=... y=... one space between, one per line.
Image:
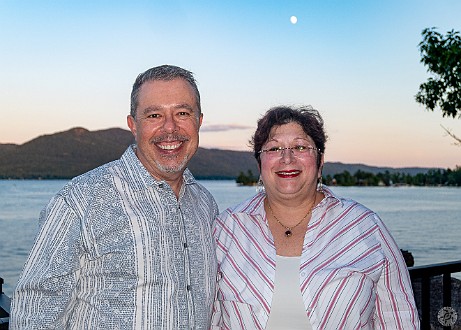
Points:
x=216 y=313
x=216 y=319
x=43 y=296
x=395 y=303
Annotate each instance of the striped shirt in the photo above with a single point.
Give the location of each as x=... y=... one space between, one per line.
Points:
x=117 y=250
x=352 y=275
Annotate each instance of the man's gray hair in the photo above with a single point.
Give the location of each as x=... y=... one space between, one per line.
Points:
x=165 y=73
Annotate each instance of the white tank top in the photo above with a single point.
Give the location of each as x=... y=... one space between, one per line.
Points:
x=287 y=308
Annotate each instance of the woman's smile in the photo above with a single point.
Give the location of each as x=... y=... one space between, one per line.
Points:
x=288 y=173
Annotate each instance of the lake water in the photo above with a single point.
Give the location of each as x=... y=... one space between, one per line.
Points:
x=424 y=220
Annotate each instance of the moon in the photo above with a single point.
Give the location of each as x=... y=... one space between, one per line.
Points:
x=293 y=19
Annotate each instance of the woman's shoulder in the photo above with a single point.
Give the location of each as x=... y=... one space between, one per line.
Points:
x=341 y=200
x=250 y=205
x=347 y=206
x=241 y=218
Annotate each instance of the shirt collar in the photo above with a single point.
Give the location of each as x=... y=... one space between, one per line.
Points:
x=256 y=205
x=141 y=178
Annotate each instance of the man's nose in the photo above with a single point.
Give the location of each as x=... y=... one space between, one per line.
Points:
x=170 y=125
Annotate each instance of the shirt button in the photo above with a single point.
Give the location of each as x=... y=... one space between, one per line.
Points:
x=188 y=287
x=185 y=245
x=303 y=274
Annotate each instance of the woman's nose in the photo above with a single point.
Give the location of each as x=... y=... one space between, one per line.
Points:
x=287 y=155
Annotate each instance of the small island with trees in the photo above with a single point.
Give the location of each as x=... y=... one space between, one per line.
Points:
x=248 y=179
x=433 y=178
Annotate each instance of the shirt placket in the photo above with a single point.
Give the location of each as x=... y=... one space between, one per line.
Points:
x=187 y=271
x=187 y=320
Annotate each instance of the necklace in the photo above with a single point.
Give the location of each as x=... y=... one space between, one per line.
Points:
x=289 y=230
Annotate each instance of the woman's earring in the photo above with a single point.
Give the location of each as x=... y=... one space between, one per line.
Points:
x=320 y=185
x=260 y=186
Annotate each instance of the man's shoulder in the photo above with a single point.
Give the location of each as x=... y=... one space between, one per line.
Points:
x=97 y=174
x=98 y=177
x=198 y=188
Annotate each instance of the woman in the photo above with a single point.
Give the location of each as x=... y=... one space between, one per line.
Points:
x=296 y=256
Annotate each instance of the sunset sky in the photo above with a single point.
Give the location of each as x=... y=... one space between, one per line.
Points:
x=68 y=64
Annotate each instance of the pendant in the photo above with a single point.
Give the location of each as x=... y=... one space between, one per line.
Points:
x=288 y=233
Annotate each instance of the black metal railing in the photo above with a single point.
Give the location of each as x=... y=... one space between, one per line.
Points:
x=424 y=279
x=421 y=277
x=4 y=307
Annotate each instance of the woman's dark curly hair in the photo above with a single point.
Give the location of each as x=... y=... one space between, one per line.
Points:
x=306 y=116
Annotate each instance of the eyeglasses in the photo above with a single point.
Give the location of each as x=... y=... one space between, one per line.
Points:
x=298 y=151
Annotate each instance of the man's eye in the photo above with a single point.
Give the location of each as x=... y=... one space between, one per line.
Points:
x=153 y=115
x=184 y=114
x=300 y=148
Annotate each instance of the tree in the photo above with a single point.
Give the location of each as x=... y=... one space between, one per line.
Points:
x=450 y=133
x=442 y=56
x=246 y=180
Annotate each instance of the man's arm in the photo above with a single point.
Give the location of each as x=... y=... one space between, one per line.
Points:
x=43 y=296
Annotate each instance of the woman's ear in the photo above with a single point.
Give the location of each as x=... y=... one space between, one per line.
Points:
x=319 y=174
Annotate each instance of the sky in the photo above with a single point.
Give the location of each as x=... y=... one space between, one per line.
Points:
x=66 y=64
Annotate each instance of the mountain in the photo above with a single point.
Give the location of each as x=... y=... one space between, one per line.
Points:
x=64 y=154
x=67 y=154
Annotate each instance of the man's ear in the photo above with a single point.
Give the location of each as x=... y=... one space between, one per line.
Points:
x=131 y=124
x=200 y=120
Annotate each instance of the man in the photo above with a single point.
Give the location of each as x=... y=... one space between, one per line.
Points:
x=128 y=245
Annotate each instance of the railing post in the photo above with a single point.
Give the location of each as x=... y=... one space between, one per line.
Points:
x=426 y=303
x=4 y=308
x=446 y=293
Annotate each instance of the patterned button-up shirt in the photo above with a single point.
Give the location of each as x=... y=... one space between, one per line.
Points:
x=352 y=274
x=117 y=250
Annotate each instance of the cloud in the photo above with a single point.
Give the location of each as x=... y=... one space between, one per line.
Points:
x=223 y=128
